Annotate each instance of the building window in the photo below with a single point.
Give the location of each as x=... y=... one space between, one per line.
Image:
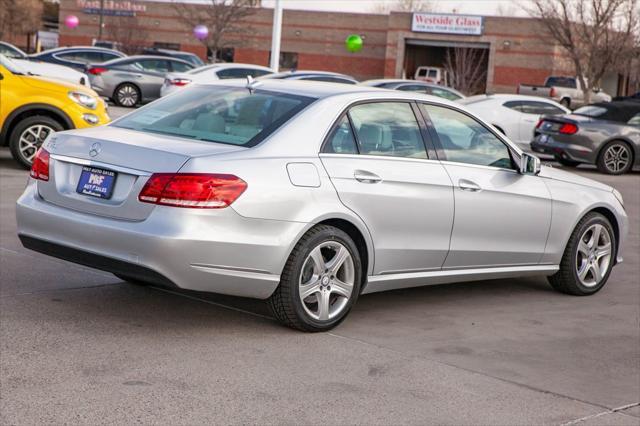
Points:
x=288 y=60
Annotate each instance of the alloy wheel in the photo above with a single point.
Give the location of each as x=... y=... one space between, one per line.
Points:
x=127 y=96
x=616 y=158
x=31 y=139
x=326 y=281
x=593 y=255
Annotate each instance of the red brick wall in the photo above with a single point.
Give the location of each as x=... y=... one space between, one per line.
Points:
x=512 y=76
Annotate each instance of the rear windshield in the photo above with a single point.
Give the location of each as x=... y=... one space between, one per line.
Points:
x=561 y=82
x=229 y=115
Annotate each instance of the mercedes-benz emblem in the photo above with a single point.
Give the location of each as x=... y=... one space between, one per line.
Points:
x=95 y=149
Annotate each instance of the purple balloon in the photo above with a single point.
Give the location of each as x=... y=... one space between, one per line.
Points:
x=200 y=32
x=71 y=21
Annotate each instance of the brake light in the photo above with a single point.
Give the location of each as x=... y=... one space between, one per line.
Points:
x=568 y=129
x=192 y=190
x=178 y=81
x=552 y=92
x=96 y=70
x=40 y=166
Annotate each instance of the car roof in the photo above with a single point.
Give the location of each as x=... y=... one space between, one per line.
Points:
x=321 y=89
x=505 y=97
x=93 y=48
x=299 y=73
x=137 y=57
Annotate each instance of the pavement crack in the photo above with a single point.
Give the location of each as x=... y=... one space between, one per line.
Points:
x=603 y=413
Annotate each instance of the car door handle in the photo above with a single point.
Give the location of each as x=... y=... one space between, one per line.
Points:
x=366 y=177
x=467 y=185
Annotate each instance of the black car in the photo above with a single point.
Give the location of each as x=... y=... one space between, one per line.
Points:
x=330 y=77
x=185 y=56
x=78 y=57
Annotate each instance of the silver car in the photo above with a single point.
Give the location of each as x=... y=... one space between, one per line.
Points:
x=134 y=79
x=311 y=194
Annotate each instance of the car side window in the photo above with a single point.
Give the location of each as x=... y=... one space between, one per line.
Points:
x=465 y=140
x=387 y=128
x=180 y=67
x=258 y=73
x=231 y=73
x=341 y=140
x=514 y=105
x=412 y=88
x=108 y=56
x=443 y=93
x=540 y=108
x=153 y=65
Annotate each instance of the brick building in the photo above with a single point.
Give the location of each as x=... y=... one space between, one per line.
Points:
x=394 y=45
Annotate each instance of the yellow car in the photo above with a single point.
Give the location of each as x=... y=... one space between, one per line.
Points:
x=32 y=107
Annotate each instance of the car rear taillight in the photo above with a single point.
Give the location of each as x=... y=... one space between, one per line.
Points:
x=552 y=92
x=568 y=129
x=194 y=190
x=178 y=81
x=40 y=166
x=96 y=70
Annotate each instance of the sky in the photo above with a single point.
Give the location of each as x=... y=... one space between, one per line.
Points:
x=470 y=7
x=477 y=7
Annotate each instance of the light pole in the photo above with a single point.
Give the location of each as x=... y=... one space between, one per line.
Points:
x=275 y=36
x=101 y=20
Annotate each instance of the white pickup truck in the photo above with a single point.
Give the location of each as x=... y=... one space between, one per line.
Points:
x=564 y=90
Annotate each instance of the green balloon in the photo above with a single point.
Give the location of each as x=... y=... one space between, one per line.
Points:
x=353 y=43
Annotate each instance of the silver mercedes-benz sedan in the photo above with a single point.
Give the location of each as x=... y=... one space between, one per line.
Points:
x=311 y=194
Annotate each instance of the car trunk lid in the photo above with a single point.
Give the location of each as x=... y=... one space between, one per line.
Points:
x=129 y=156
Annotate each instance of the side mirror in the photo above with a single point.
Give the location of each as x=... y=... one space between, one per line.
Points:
x=529 y=164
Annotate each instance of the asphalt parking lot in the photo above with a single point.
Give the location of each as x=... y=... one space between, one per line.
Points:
x=80 y=346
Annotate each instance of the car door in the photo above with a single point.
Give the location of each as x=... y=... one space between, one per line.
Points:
x=502 y=217
x=152 y=76
x=531 y=113
x=377 y=161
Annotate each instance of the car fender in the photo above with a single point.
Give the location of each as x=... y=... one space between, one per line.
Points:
x=68 y=123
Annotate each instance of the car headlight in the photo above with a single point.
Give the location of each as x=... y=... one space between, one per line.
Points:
x=83 y=99
x=618 y=196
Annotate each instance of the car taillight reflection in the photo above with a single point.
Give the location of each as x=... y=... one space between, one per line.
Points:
x=192 y=190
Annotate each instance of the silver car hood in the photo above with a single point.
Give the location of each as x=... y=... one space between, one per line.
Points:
x=561 y=175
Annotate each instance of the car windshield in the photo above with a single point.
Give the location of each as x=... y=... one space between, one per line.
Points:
x=229 y=115
x=590 y=111
x=9 y=64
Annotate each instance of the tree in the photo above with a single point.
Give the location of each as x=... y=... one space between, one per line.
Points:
x=405 y=6
x=467 y=69
x=19 y=17
x=598 y=35
x=223 y=19
x=127 y=33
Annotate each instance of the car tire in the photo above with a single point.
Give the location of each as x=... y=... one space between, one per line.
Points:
x=565 y=102
x=127 y=95
x=28 y=135
x=331 y=290
x=131 y=280
x=568 y=163
x=615 y=158
x=586 y=262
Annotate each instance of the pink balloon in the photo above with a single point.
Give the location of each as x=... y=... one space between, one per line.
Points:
x=71 y=21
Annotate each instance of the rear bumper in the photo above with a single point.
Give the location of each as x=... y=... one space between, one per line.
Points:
x=549 y=144
x=205 y=250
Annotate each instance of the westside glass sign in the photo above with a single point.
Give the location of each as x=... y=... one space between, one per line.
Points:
x=447 y=24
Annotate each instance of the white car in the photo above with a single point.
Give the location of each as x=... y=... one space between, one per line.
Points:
x=210 y=73
x=43 y=69
x=60 y=72
x=515 y=116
